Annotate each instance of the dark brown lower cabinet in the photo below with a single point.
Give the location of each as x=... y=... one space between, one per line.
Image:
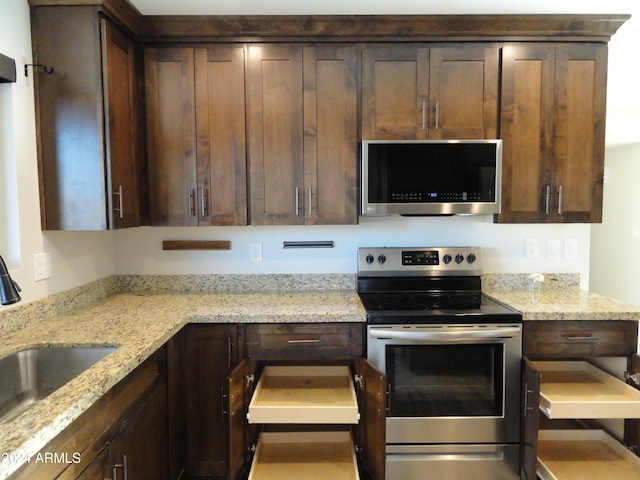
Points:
x=560 y=363
x=211 y=352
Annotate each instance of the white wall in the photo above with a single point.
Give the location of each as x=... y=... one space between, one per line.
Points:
x=615 y=254
x=77 y=258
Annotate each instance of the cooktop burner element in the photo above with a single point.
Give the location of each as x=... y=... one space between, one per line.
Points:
x=426 y=285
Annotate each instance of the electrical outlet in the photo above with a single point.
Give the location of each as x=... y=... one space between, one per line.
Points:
x=553 y=248
x=41 y=266
x=255 y=251
x=571 y=248
x=532 y=248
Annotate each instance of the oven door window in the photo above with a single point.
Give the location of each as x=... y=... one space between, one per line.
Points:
x=445 y=380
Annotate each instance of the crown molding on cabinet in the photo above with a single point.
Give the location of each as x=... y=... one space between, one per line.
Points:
x=519 y=27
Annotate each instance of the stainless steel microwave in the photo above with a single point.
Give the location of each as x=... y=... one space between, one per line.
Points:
x=431 y=177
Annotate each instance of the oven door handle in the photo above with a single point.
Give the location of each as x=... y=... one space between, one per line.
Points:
x=450 y=336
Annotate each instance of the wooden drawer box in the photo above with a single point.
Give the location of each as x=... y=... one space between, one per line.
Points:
x=579 y=339
x=304 y=394
x=571 y=389
x=312 y=341
x=306 y=455
x=584 y=455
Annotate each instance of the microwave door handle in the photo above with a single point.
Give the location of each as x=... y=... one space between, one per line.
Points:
x=454 y=336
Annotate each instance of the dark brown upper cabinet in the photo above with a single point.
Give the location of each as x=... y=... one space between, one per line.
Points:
x=196 y=135
x=302 y=134
x=553 y=126
x=422 y=92
x=88 y=121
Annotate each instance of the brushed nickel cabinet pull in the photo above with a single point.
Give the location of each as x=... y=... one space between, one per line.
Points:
x=310 y=201
x=560 y=200
x=547 y=210
x=120 y=210
x=582 y=339
x=192 y=202
x=424 y=114
x=299 y=341
x=437 y=114
x=204 y=200
x=297 y=201
x=123 y=466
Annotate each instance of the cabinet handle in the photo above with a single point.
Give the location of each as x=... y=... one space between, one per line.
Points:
x=119 y=209
x=437 y=114
x=297 y=201
x=547 y=210
x=123 y=466
x=299 y=341
x=192 y=202
x=424 y=114
x=310 y=201
x=223 y=399
x=229 y=352
x=204 y=198
x=560 y=200
x=527 y=408
x=582 y=339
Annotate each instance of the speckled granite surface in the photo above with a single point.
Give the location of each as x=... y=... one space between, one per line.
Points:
x=139 y=314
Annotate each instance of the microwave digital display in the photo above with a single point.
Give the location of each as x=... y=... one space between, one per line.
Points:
x=431 y=177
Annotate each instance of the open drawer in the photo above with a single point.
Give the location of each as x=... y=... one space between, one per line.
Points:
x=577 y=389
x=584 y=455
x=304 y=394
x=308 y=455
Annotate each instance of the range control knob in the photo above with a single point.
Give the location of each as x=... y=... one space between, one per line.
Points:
x=471 y=257
x=369 y=259
x=459 y=258
x=447 y=259
x=381 y=258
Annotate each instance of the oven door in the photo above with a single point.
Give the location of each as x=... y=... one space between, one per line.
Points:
x=450 y=383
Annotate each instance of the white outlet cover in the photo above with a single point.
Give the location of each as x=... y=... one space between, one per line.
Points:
x=41 y=266
x=553 y=248
x=255 y=251
x=532 y=248
x=571 y=248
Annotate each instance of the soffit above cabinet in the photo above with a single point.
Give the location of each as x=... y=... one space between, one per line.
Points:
x=512 y=27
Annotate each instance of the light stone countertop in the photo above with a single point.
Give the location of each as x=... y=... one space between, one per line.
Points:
x=139 y=324
x=141 y=321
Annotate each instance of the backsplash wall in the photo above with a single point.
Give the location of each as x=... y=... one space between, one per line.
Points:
x=139 y=251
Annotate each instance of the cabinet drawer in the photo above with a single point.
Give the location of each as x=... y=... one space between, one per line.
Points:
x=580 y=390
x=320 y=341
x=584 y=455
x=308 y=455
x=579 y=339
x=304 y=394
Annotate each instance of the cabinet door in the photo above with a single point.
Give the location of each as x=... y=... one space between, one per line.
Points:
x=211 y=355
x=395 y=92
x=463 y=93
x=371 y=433
x=122 y=127
x=221 y=152
x=241 y=435
x=530 y=420
x=140 y=449
x=579 y=129
x=171 y=139
x=526 y=132
x=275 y=134
x=101 y=467
x=330 y=135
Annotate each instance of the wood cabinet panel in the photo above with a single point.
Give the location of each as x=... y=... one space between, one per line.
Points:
x=171 y=145
x=552 y=126
x=395 y=92
x=330 y=135
x=87 y=116
x=211 y=354
x=319 y=341
x=221 y=150
x=275 y=134
x=579 y=339
x=463 y=95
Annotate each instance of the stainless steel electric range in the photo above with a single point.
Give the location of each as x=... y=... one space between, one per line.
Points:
x=452 y=357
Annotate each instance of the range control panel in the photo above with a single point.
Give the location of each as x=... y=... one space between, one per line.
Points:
x=414 y=261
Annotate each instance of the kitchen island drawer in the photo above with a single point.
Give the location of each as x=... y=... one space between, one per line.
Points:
x=316 y=341
x=304 y=394
x=578 y=389
x=584 y=455
x=579 y=339
x=307 y=455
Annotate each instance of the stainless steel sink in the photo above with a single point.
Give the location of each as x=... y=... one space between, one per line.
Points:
x=30 y=375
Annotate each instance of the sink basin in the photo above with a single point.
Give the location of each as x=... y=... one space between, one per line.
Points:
x=30 y=375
